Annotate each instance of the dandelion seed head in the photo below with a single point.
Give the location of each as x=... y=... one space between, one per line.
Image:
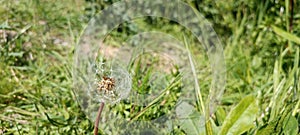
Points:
x=112 y=86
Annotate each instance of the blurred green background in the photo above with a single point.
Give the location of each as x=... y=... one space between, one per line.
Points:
x=261 y=41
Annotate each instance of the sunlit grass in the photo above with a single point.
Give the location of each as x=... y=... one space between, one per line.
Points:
x=37 y=42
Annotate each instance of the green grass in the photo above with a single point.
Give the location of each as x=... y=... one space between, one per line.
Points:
x=37 y=39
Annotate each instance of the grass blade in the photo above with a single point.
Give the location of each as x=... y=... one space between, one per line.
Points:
x=241 y=118
x=286 y=35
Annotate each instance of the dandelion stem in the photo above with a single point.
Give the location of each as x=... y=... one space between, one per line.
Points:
x=98 y=118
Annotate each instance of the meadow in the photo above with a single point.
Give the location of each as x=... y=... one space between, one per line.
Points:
x=261 y=43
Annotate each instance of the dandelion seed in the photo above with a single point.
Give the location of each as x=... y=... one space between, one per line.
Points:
x=107 y=84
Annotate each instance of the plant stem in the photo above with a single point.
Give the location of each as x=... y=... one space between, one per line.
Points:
x=98 y=118
x=197 y=88
x=291 y=8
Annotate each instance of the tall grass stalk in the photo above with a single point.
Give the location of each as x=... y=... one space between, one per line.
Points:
x=205 y=111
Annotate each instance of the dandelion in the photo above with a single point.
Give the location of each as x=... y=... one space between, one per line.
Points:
x=112 y=86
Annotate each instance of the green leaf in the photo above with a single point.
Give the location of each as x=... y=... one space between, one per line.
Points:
x=190 y=119
x=286 y=35
x=16 y=54
x=220 y=115
x=5 y=25
x=268 y=129
x=241 y=118
x=285 y=123
x=291 y=127
x=21 y=111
